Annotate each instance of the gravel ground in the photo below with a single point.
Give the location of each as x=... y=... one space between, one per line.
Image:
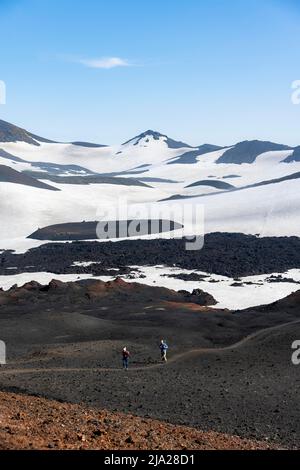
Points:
x=64 y=346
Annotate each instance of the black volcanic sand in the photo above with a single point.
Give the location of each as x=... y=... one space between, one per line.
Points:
x=232 y=255
x=64 y=342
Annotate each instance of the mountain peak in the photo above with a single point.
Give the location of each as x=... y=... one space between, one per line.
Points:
x=145 y=137
x=151 y=133
x=248 y=150
x=11 y=133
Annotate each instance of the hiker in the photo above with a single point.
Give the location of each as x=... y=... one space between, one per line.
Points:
x=125 y=355
x=163 y=350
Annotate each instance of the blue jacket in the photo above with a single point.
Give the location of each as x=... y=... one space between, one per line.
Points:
x=163 y=346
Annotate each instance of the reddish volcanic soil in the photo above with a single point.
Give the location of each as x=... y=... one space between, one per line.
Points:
x=28 y=422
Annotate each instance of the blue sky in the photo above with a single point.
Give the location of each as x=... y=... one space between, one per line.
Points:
x=105 y=70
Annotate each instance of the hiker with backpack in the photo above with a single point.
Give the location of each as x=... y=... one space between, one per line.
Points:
x=125 y=356
x=163 y=350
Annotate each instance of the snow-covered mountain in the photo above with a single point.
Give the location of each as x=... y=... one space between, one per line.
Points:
x=250 y=187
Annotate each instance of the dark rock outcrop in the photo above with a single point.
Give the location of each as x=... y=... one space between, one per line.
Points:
x=9 y=175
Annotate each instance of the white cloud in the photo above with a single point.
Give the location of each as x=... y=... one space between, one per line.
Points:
x=105 y=63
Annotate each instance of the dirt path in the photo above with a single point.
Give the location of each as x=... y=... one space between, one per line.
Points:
x=174 y=358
